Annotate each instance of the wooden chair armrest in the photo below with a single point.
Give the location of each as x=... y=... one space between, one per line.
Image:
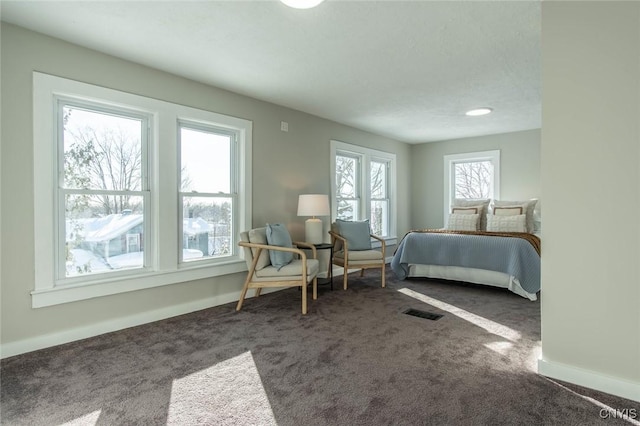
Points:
x=337 y=236
x=382 y=242
x=302 y=254
x=307 y=246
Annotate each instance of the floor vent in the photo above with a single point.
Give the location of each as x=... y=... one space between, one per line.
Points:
x=422 y=314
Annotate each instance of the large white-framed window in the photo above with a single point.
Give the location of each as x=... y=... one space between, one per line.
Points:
x=363 y=186
x=471 y=175
x=112 y=197
x=102 y=194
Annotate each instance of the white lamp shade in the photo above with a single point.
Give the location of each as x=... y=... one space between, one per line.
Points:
x=313 y=205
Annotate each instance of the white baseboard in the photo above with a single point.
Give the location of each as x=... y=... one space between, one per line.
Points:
x=59 y=338
x=590 y=379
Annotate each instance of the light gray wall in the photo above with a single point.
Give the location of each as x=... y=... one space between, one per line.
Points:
x=284 y=165
x=519 y=170
x=591 y=190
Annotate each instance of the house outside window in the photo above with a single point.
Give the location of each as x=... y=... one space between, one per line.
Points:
x=145 y=192
x=363 y=187
x=471 y=175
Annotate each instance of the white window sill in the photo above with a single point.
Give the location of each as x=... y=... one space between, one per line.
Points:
x=72 y=293
x=389 y=241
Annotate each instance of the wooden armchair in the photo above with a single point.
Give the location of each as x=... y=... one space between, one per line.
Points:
x=356 y=259
x=299 y=273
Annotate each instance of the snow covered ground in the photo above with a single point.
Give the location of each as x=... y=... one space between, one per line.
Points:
x=87 y=262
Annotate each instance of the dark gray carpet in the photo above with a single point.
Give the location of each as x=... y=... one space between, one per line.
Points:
x=355 y=359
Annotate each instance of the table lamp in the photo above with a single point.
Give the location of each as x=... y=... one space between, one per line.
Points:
x=313 y=205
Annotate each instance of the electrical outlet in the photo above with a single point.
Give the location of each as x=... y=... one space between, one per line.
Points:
x=284 y=126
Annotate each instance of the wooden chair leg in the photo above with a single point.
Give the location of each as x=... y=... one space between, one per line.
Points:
x=344 y=279
x=258 y=291
x=383 y=275
x=362 y=272
x=304 y=298
x=315 y=288
x=243 y=294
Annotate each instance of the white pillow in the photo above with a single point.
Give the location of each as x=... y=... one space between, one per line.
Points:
x=515 y=223
x=527 y=208
x=475 y=202
x=463 y=222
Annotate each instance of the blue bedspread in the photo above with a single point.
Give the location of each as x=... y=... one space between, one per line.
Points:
x=512 y=256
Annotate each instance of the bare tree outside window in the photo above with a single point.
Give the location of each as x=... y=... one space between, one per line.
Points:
x=102 y=152
x=346 y=187
x=473 y=179
x=102 y=190
x=379 y=198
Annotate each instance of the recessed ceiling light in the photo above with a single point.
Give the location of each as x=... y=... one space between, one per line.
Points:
x=302 y=4
x=479 y=111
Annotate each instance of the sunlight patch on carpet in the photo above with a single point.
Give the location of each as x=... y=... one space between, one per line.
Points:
x=87 y=419
x=228 y=393
x=490 y=326
x=502 y=348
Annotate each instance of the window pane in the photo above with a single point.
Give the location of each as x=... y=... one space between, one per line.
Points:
x=205 y=161
x=348 y=209
x=101 y=151
x=206 y=227
x=97 y=239
x=378 y=180
x=380 y=217
x=346 y=177
x=473 y=179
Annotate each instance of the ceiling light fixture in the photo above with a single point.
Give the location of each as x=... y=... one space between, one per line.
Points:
x=479 y=111
x=302 y=4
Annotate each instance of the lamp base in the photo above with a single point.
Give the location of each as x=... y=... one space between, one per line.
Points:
x=313 y=231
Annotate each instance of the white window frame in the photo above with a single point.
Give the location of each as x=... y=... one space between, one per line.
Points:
x=365 y=156
x=102 y=108
x=357 y=185
x=387 y=165
x=234 y=136
x=165 y=244
x=449 y=173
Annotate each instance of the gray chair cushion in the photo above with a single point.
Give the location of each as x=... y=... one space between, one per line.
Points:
x=372 y=255
x=356 y=234
x=278 y=235
x=292 y=271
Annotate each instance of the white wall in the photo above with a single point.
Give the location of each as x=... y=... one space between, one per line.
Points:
x=519 y=170
x=591 y=192
x=284 y=165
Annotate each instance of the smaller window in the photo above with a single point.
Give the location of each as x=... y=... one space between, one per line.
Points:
x=379 y=197
x=363 y=187
x=471 y=175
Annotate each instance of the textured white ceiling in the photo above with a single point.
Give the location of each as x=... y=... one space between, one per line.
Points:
x=406 y=70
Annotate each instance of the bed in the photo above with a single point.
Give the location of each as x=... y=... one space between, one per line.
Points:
x=509 y=260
